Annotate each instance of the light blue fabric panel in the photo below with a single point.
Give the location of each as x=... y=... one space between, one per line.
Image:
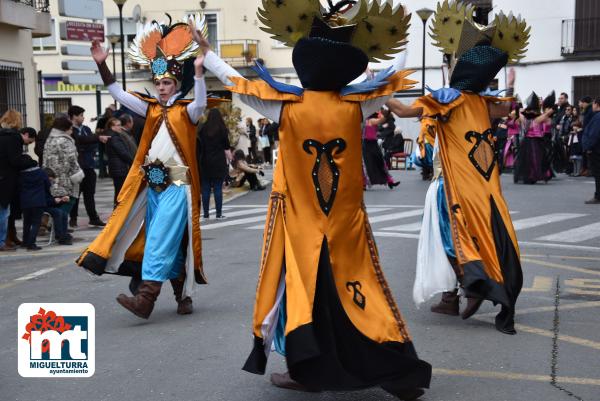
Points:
x=166 y=222
x=279 y=339
x=444 y=220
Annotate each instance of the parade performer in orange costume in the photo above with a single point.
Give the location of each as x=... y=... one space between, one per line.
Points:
x=322 y=299
x=153 y=234
x=484 y=250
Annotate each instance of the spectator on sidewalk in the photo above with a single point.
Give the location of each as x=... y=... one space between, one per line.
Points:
x=12 y=161
x=87 y=146
x=100 y=126
x=61 y=157
x=591 y=145
x=213 y=155
x=251 y=132
x=266 y=140
x=242 y=172
x=120 y=149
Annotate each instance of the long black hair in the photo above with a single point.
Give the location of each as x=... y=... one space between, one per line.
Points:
x=214 y=125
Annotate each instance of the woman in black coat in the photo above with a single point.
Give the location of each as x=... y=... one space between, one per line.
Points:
x=120 y=150
x=213 y=148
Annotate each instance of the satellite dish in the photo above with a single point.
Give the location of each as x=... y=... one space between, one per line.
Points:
x=137 y=13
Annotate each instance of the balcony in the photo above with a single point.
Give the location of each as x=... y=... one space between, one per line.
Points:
x=580 y=37
x=238 y=53
x=27 y=14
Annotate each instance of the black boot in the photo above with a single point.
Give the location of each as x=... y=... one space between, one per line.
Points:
x=448 y=305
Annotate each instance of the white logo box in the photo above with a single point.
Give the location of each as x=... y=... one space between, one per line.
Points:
x=77 y=362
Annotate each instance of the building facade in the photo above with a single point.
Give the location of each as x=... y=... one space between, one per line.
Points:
x=20 y=21
x=563 y=55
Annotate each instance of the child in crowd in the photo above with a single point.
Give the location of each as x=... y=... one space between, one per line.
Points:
x=37 y=200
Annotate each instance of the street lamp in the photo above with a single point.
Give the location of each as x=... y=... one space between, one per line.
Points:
x=424 y=14
x=120 y=4
x=113 y=39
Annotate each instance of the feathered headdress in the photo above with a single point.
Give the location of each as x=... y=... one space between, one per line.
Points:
x=478 y=51
x=166 y=47
x=377 y=28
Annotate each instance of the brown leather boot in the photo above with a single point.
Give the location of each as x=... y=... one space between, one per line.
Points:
x=473 y=305
x=448 y=305
x=283 y=380
x=143 y=302
x=184 y=306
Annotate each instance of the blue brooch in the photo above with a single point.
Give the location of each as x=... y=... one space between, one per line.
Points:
x=159 y=66
x=157 y=175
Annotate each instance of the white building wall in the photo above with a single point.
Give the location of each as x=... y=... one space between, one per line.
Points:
x=543 y=69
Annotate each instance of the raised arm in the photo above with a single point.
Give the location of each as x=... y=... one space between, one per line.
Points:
x=402 y=110
x=268 y=108
x=133 y=103
x=197 y=107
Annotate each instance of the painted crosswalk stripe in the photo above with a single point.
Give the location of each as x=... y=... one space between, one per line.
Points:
x=411 y=227
x=36 y=274
x=536 y=221
x=579 y=234
x=395 y=216
x=236 y=222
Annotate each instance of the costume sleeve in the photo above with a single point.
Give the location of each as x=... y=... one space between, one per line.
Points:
x=197 y=107
x=223 y=71
x=432 y=108
x=130 y=101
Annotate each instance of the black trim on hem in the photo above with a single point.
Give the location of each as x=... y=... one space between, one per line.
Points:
x=257 y=361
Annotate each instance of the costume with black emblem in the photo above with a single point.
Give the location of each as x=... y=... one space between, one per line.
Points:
x=322 y=299
x=475 y=239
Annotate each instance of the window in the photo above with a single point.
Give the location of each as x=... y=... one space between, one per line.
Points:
x=587 y=29
x=586 y=86
x=129 y=30
x=12 y=89
x=213 y=32
x=47 y=44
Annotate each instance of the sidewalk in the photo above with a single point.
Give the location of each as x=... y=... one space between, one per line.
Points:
x=84 y=234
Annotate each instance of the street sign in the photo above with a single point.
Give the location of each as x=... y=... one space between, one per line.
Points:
x=81 y=31
x=83 y=79
x=79 y=65
x=86 y=9
x=75 y=50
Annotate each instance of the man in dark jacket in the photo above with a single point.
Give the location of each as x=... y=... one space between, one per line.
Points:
x=12 y=161
x=120 y=149
x=591 y=145
x=87 y=146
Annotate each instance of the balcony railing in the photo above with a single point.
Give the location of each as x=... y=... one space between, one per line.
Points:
x=39 y=5
x=580 y=37
x=238 y=53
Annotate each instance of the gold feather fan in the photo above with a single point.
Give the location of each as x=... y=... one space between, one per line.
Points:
x=380 y=29
x=512 y=36
x=288 y=20
x=447 y=25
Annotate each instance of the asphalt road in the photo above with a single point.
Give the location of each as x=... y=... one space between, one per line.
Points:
x=199 y=357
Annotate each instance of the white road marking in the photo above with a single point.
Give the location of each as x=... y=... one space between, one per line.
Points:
x=36 y=274
x=536 y=221
x=412 y=227
x=578 y=234
x=237 y=222
x=396 y=216
x=397 y=235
